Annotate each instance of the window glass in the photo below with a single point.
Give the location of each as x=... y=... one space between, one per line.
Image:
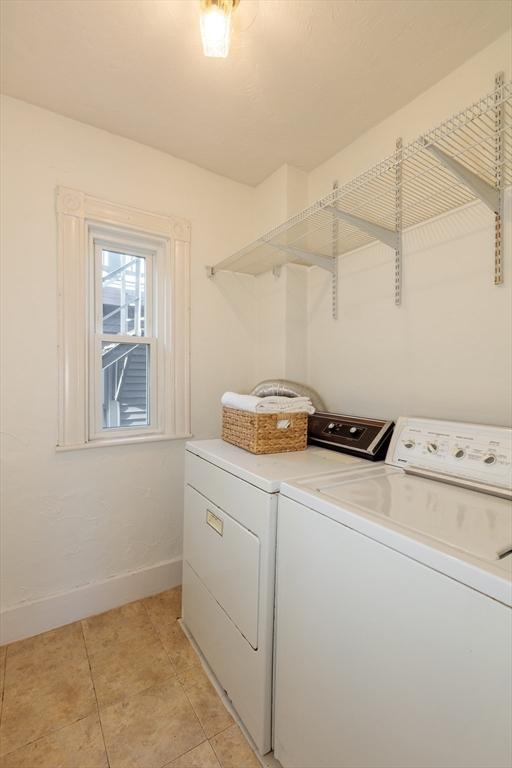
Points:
x=125 y=381
x=123 y=290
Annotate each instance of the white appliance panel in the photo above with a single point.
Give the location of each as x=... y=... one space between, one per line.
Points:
x=242 y=501
x=245 y=674
x=228 y=602
x=473 y=522
x=226 y=557
x=476 y=453
x=381 y=661
x=267 y=472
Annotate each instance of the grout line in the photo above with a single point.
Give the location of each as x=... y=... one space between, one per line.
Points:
x=159 y=637
x=125 y=697
x=157 y=631
x=95 y=694
x=47 y=734
x=4 y=675
x=215 y=752
x=98 y=711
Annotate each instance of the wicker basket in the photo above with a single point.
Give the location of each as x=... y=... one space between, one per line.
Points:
x=265 y=432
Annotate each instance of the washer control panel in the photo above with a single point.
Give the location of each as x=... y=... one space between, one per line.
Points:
x=469 y=452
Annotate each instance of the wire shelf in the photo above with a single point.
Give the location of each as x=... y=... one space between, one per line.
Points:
x=465 y=158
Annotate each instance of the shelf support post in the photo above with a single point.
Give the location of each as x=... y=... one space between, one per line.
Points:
x=398 y=225
x=498 y=178
x=335 y=275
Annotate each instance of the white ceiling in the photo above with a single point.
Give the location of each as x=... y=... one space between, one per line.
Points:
x=303 y=79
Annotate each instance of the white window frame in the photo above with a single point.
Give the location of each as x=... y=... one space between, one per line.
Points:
x=84 y=225
x=155 y=254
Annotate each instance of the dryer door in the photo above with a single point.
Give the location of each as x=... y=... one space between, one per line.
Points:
x=225 y=556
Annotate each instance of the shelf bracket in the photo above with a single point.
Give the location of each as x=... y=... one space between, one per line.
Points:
x=316 y=259
x=334 y=276
x=385 y=235
x=484 y=191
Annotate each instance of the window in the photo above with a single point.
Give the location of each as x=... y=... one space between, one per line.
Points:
x=125 y=334
x=123 y=299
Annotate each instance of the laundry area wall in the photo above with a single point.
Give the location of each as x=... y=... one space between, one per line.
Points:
x=447 y=350
x=85 y=530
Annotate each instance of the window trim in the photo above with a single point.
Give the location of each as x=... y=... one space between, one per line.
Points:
x=81 y=220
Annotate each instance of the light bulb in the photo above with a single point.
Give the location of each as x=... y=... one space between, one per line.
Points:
x=215 y=23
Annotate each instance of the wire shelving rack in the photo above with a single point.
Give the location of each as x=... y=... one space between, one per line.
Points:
x=465 y=158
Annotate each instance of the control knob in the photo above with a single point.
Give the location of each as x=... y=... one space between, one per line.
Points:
x=490 y=459
x=432 y=447
x=409 y=443
x=459 y=453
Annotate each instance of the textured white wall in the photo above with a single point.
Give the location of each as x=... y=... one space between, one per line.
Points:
x=281 y=337
x=78 y=518
x=447 y=351
x=70 y=519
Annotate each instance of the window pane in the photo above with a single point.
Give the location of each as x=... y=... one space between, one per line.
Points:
x=125 y=374
x=123 y=283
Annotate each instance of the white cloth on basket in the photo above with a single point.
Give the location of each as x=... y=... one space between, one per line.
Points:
x=270 y=404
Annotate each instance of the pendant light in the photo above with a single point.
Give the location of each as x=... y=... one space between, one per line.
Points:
x=215 y=20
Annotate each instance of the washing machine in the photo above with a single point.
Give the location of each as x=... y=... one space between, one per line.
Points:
x=393 y=606
x=231 y=499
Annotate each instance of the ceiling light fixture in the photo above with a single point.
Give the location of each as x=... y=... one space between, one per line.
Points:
x=215 y=22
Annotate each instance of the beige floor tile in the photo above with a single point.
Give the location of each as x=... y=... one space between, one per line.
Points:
x=179 y=649
x=164 y=609
x=202 y=756
x=44 y=654
x=152 y=728
x=128 y=668
x=42 y=694
x=209 y=708
x=190 y=676
x=130 y=622
x=76 y=746
x=233 y=751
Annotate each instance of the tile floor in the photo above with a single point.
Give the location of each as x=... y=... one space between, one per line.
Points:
x=124 y=689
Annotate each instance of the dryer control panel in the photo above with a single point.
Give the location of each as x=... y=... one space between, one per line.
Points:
x=362 y=437
x=474 y=455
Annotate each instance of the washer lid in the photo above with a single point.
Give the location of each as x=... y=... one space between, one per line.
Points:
x=476 y=523
x=457 y=531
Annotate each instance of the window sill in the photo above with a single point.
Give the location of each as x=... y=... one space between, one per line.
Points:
x=141 y=439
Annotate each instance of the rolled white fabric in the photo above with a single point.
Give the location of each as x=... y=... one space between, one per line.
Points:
x=279 y=404
x=271 y=404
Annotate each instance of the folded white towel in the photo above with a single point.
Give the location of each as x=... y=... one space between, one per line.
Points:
x=271 y=404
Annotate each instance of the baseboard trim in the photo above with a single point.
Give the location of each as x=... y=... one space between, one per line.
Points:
x=32 y=618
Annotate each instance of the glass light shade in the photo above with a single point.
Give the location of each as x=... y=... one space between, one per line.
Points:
x=216 y=28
